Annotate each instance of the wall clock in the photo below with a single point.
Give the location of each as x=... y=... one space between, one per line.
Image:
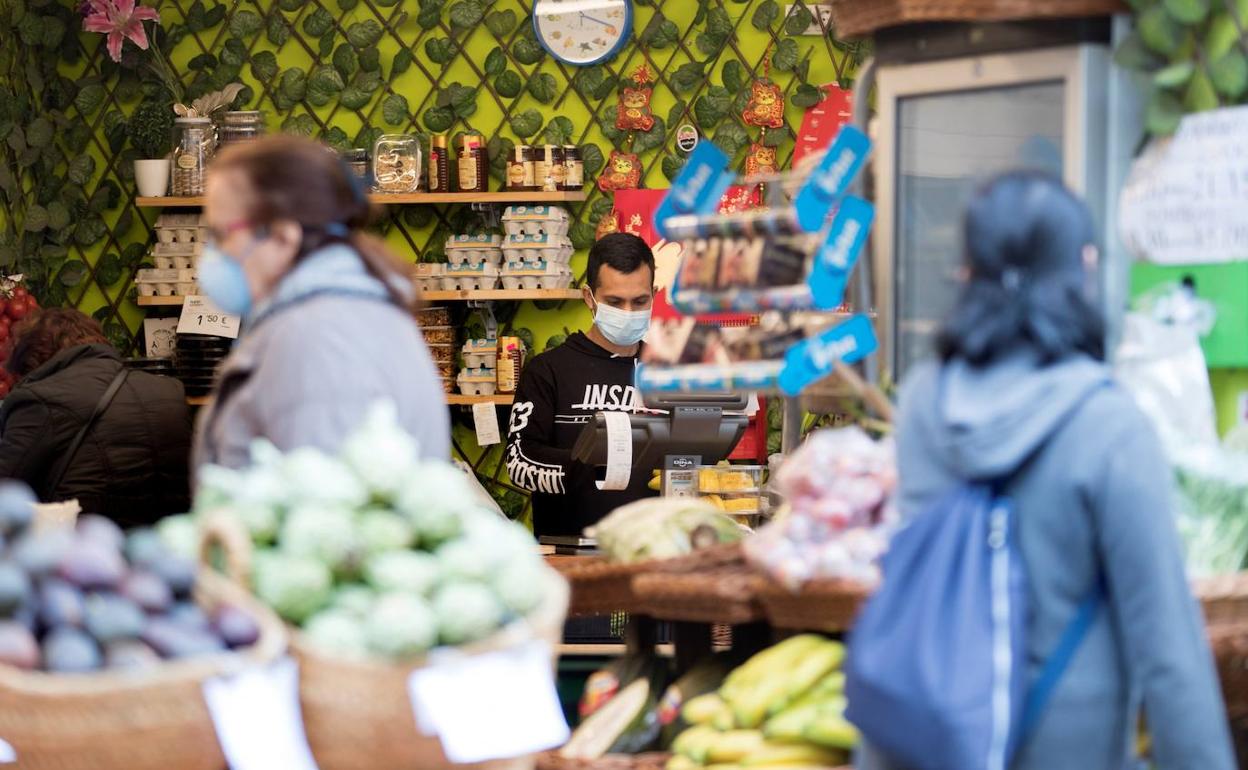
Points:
x=583 y=32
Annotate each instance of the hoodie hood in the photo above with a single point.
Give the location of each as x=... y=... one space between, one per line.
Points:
x=988 y=421
x=580 y=342
x=335 y=269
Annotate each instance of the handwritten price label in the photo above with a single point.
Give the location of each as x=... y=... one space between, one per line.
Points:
x=200 y=316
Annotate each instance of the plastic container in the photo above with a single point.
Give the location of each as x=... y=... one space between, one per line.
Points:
x=442 y=354
x=396 y=164
x=730 y=479
x=446 y=369
x=434 y=315
x=535 y=220
x=239 y=126
x=480 y=353
x=439 y=335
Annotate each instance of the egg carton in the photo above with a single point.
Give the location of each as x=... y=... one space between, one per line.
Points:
x=551 y=276
x=176 y=221
x=474 y=257
x=148 y=275
x=167 y=289
x=470 y=282
x=480 y=353
x=534 y=248
x=176 y=263
x=428 y=275
x=478 y=388
x=535 y=220
x=180 y=235
x=178 y=249
x=473 y=241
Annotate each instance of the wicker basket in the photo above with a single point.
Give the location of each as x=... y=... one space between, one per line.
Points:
x=1224 y=598
x=358 y=714
x=722 y=594
x=601 y=588
x=153 y=720
x=552 y=761
x=822 y=605
x=862 y=17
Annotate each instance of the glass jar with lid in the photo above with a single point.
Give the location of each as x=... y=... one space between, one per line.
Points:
x=194 y=142
x=396 y=164
x=357 y=159
x=239 y=126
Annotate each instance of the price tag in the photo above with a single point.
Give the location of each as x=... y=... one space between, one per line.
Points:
x=7 y=754
x=495 y=705
x=485 y=418
x=200 y=316
x=619 y=451
x=256 y=713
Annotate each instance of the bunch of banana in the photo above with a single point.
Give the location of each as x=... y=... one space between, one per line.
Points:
x=783 y=708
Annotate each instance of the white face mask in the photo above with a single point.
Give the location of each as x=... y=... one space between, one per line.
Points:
x=621 y=327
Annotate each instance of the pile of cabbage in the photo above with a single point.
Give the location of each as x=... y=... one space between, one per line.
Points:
x=373 y=553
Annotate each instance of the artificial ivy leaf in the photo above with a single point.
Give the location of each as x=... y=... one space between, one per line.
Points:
x=807 y=95
x=1159 y=31
x=318 y=22
x=245 y=24
x=368 y=136
x=542 y=86
x=712 y=107
x=354 y=98
x=108 y=270
x=527 y=50
x=591 y=159
x=325 y=46
x=526 y=123
x=495 y=63
x=800 y=19
x=90 y=231
x=462 y=99
x=501 y=23
x=648 y=140
x=440 y=50
x=785 y=56
x=81 y=169
x=370 y=59
x=264 y=66
x=291 y=88
x=508 y=85
x=72 y=273
x=36 y=218
x=733 y=75
x=1163 y=114
x=234 y=52
x=348 y=5
x=1188 y=11
x=429 y=15
x=687 y=76
x=672 y=166
x=417 y=217
x=606 y=124
x=290 y=5
x=774 y=137
x=58 y=216
x=302 y=124
x=53 y=32
x=205 y=61
x=215 y=16
x=439 y=119
x=345 y=60
x=278 y=30
x=323 y=84
x=336 y=138
x=599 y=209
x=1230 y=74
x=30 y=29
x=499 y=149
x=582 y=235
x=402 y=62
x=105 y=197
x=731 y=137
x=466 y=14
x=89 y=98
x=677 y=113
x=559 y=131
x=39 y=132
x=660 y=33
x=765 y=14
x=132 y=255
x=394 y=109
x=363 y=34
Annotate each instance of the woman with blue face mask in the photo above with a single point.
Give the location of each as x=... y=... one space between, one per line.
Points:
x=327 y=323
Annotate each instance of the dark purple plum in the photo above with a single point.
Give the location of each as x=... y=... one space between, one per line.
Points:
x=173 y=640
x=111 y=617
x=189 y=616
x=102 y=530
x=70 y=651
x=40 y=554
x=236 y=626
x=91 y=565
x=15 y=587
x=60 y=604
x=130 y=654
x=17 y=506
x=143 y=546
x=177 y=572
x=18 y=646
x=147 y=590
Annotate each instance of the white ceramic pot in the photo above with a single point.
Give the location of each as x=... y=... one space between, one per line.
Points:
x=152 y=177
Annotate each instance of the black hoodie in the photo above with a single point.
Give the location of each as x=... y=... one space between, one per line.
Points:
x=559 y=392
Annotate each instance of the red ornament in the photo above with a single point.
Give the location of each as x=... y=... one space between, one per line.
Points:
x=610 y=223
x=633 y=113
x=766 y=106
x=623 y=172
x=761 y=160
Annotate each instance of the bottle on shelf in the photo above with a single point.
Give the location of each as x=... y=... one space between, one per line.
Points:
x=439 y=165
x=574 y=174
x=473 y=166
x=520 y=169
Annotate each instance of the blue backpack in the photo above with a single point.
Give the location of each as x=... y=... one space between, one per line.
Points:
x=936 y=664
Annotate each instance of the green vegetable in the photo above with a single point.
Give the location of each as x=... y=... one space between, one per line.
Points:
x=324 y=533
x=409 y=572
x=383 y=530
x=466 y=612
x=355 y=599
x=181 y=534
x=628 y=719
x=295 y=587
x=401 y=626
x=336 y=632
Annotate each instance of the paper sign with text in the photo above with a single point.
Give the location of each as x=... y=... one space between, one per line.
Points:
x=257 y=717
x=200 y=316
x=485 y=419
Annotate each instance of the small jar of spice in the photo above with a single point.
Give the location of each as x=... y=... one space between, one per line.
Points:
x=574 y=169
x=473 y=165
x=520 y=168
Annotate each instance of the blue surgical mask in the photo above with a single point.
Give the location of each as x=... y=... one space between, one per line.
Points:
x=621 y=327
x=222 y=280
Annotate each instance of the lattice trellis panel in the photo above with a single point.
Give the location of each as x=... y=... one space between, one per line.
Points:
x=346 y=71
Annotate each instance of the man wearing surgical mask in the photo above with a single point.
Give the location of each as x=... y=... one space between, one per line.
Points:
x=561 y=390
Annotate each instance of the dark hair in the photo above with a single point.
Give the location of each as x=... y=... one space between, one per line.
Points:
x=39 y=337
x=1027 y=284
x=298 y=179
x=620 y=251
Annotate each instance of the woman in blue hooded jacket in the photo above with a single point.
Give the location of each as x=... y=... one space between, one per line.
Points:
x=1019 y=392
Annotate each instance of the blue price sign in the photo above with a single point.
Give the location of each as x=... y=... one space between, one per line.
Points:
x=698 y=187
x=811 y=360
x=839 y=252
x=828 y=182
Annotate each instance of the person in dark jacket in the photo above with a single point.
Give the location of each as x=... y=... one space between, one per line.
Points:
x=133 y=462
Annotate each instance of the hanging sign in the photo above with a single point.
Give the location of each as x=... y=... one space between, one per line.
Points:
x=687 y=138
x=828 y=182
x=200 y=316
x=839 y=252
x=813 y=359
x=698 y=187
x=821 y=122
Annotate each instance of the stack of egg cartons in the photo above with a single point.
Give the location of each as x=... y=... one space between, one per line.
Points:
x=479 y=375
x=472 y=262
x=439 y=333
x=179 y=243
x=428 y=275
x=537 y=249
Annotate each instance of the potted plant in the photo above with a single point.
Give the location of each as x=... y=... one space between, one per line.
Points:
x=151 y=134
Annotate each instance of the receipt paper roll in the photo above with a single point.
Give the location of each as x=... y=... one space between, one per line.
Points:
x=619 y=451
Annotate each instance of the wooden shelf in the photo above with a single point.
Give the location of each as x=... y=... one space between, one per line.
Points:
x=455 y=399
x=160 y=301
x=394 y=199
x=198 y=400
x=501 y=294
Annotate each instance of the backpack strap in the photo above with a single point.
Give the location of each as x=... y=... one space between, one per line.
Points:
x=54 y=480
x=1059 y=660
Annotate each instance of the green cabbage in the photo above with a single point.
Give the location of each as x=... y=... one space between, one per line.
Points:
x=294 y=586
x=324 y=533
x=409 y=572
x=382 y=530
x=336 y=632
x=466 y=612
x=401 y=626
x=354 y=599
